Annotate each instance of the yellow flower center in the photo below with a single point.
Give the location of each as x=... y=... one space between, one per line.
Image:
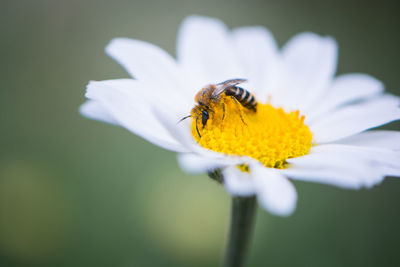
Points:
x=269 y=135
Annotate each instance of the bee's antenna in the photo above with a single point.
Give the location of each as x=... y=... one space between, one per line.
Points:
x=197 y=129
x=184 y=118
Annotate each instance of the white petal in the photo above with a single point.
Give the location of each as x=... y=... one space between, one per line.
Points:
x=205 y=51
x=334 y=174
x=143 y=94
x=379 y=139
x=391 y=171
x=94 y=110
x=344 y=166
x=376 y=157
x=238 y=183
x=180 y=131
x=274 y=191
x=345 y=89
x=148 y=63
x=197 y=163
x=123 y=100
x=258 y=52
x=309 y=63
x=356 y=118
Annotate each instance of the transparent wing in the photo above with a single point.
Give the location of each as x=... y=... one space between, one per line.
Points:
x=223 y=86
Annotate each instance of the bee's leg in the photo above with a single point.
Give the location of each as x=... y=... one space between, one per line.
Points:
x=240 y=111
x=241 y=117
x=223 y=109
x=197 y=129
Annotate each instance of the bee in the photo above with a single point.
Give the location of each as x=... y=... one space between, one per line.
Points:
x=211 y=94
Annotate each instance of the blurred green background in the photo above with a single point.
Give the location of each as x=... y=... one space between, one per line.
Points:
x=75 y=192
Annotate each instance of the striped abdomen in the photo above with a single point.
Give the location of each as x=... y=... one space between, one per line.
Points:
x=244 y=97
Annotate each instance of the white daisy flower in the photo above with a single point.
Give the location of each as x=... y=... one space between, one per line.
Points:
x=309 y=125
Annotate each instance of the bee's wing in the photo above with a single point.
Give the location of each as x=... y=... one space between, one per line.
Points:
x=222 y=87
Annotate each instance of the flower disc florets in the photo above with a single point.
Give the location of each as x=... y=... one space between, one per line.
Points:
x=269 y=135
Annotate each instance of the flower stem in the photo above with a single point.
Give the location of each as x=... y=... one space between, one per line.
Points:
x=241 y=228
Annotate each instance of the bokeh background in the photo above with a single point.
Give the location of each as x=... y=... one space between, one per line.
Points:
x=75 y=192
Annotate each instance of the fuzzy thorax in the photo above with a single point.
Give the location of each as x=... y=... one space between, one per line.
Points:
x=269 y=135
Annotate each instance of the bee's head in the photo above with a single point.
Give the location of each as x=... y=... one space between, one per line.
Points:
x=201 y=113
x=204 y=117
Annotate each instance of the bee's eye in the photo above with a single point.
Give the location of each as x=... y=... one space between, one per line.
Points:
x=204 y=117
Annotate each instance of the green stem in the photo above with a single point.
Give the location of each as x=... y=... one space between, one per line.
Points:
x=242 y=218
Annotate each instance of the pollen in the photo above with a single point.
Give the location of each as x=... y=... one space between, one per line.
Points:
x=270 y=135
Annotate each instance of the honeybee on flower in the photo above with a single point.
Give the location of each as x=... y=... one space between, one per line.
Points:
x=211 y=95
